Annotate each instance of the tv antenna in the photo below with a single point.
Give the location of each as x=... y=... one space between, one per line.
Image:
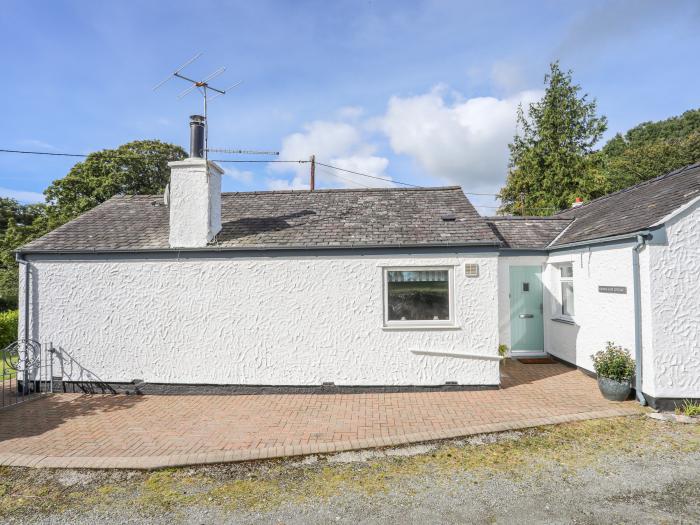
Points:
x=242 y=151
x=203 y=87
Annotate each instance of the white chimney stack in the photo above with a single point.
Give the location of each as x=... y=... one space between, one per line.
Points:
x=194 y=196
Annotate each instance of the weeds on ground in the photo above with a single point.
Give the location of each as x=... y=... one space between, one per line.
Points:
x=261 y=486
x=689 y=408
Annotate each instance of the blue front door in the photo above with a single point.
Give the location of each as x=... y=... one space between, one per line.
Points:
x=526 y=329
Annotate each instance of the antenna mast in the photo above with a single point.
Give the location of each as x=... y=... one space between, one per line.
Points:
x=203 y=87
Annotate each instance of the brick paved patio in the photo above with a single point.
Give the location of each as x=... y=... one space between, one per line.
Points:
x=73 y=430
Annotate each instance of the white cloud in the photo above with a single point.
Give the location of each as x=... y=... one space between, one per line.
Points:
x=39 y=144
x=350 y=112
x=26 y=197
x=245 y=177
x=285 y=184
x=507 y=77
x=451 y=139
x=458 y=140
x=336 y=143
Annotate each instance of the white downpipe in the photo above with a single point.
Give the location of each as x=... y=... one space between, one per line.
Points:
x=641 y=242
x=23 y=262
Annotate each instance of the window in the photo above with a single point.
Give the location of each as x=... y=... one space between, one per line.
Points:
x=420 y=296
x=567 y=289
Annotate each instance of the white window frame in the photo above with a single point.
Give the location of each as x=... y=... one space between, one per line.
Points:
x=563 y=280
x=428 y=323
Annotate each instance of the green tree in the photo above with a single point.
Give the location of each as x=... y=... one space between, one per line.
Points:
x=550 y=156
x=651 y=149
x=22 y=214
x=10 y=239
x=139 y=167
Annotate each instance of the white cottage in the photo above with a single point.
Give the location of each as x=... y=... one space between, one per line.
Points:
x=379 y=287
x=622 y=268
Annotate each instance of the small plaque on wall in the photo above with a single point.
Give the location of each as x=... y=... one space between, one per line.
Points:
x=612 y=289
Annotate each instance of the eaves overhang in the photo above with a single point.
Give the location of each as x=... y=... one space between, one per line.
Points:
x=259 y=249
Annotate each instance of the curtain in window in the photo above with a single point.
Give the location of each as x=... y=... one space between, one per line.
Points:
x=417 y=276
x=421 y=295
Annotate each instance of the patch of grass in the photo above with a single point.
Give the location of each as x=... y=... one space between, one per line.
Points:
x=263 y=486
x=689 y=408
x=170 y=488
x=7 y=363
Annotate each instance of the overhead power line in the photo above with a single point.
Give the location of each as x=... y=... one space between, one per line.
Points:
x=83 y=155
x=41 y=153
x=346 y=179
x=396 y=181
x=366 y=175
x=257 y=161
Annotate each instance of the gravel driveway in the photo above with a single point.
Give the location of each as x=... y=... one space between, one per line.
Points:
x=624 y=470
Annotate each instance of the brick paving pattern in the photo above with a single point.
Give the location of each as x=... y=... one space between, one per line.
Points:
x=119 y=431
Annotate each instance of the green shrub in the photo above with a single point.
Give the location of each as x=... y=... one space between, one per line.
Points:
x=689 y=408
x=8 y=327
x=502 y=350
x=614 y=363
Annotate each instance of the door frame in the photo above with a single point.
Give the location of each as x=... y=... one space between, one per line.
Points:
x=515 y=351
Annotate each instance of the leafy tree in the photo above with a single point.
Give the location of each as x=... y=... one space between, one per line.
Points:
x=139 y=167
x=135 y=168
x=10 y=240
x=651 y=149
x=550 y=162
x=23 y=214
x=674 y=128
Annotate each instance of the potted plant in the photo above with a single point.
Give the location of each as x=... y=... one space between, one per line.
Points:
x=615 y=368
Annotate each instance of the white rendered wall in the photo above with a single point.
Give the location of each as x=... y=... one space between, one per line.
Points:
x=599 y=317
x=259 y=320
x=675 y=310
x=504 y=264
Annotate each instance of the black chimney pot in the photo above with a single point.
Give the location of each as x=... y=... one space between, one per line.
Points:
x=196 y=136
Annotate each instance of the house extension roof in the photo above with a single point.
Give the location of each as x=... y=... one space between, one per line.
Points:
x=534 y=233
x=632 y=209
x=386 y=217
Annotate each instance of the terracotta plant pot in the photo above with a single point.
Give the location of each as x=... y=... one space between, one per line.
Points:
x=614 y=390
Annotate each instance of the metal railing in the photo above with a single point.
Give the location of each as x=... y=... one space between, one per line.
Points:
x=26 y=371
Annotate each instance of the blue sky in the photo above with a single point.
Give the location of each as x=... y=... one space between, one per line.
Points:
x=422 y=92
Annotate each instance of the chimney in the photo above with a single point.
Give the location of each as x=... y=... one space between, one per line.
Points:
x=578 y=202
x=195 y=194
x=196 y=136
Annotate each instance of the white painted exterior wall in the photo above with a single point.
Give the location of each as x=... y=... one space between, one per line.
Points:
x=670 y=302
x=280 y=320
x=599 y=317
x=305 y=320
x=674 y=331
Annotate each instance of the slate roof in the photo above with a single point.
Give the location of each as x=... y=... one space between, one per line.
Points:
x=386 y=217
x=632 y=209
x=533 y=233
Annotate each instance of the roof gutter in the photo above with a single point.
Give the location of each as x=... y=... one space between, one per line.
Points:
x=215 y=248
x=599 y=240
x=638 y=247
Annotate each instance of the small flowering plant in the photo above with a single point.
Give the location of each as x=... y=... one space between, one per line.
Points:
x=614 y=363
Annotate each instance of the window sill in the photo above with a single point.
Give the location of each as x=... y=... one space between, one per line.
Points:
x=393 y=328
x=563 y=320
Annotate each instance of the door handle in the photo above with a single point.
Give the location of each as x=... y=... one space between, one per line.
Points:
x=526 y=316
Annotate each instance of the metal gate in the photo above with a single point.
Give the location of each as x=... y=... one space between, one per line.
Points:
x=27 y=371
